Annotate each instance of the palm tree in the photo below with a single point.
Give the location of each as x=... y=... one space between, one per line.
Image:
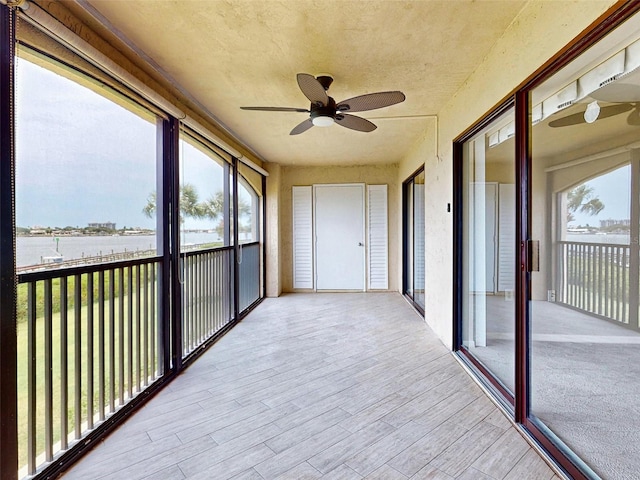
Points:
x=214 y=205
x=582 y=199
x=190 y=206
x=212 y=208
x=150 y=208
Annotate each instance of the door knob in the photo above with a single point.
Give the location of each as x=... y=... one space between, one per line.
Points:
x=360 y=244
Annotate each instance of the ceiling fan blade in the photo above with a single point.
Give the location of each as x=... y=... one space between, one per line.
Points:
x=578 y=118
x=370 y=101
x=312 y=89
x=302 y=127
x=614 y=110
x=574 y=119
x=617 y=92
x=634 y=117
x=276 y=109
x=355 y=123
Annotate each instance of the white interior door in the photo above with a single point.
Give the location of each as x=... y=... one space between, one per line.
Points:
x=339 y=227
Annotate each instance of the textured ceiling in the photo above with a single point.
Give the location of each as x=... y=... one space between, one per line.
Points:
x=228 y=54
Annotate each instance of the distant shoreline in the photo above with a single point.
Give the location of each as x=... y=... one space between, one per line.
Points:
x=88 y=234
x=106 y=233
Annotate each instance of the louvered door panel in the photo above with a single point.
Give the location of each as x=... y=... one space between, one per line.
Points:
x=302 y=238
x=506 y=236
x=378 y=237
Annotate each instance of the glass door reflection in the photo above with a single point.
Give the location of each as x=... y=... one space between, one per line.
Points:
x=488 y=257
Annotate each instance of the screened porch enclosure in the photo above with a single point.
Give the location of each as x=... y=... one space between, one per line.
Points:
x=110 y=311
x=147 y=208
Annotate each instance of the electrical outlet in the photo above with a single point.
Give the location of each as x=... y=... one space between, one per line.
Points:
x=551 y=295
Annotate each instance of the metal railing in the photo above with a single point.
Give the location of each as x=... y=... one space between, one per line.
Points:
x=594 y=277
x=249 y=273
x=207 y=292
x=89 y=341
x=90 y=338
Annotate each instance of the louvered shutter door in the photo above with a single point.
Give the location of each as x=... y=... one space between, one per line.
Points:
x=506 y=236
x=378 y=237
x=302 y=238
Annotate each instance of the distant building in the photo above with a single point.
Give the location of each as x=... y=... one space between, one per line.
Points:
x=614 y=223
x=107 y=225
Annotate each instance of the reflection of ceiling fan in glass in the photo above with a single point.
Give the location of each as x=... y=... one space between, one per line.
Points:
x=625 y=96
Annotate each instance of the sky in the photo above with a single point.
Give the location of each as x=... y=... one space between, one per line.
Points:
x=613 y=190
x=82 y=158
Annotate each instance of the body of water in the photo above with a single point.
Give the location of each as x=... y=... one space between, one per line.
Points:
x=32 y=250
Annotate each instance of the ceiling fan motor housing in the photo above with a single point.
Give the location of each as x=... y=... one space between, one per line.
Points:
x=328 y=110
x=325 y=81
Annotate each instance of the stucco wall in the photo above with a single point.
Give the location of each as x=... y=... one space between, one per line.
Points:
x=424 y=151
x=541 y=30
x=272 y=234
x=368 y=174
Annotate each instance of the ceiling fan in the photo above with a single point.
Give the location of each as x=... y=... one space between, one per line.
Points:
x=324 y=110
x=625 y=95
x=594 y=112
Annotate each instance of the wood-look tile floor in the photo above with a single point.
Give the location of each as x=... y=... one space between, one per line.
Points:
x=332 y=386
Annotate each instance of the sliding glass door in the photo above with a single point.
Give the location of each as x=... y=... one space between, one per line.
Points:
x=488 y=243
x=413 y=232
x=547 y=257
x=584 y=345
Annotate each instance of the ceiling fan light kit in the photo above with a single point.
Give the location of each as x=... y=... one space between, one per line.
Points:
x=324 y=111
x=592 y=112
x=322 y=121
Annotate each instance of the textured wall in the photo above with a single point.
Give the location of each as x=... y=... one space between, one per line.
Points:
x=424 y=151
x=272 y=237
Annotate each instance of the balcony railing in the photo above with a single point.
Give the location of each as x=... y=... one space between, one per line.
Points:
x=207 y=295
x=249 y=272
x=88 y=342
x=90 y=338
x=595 y=278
